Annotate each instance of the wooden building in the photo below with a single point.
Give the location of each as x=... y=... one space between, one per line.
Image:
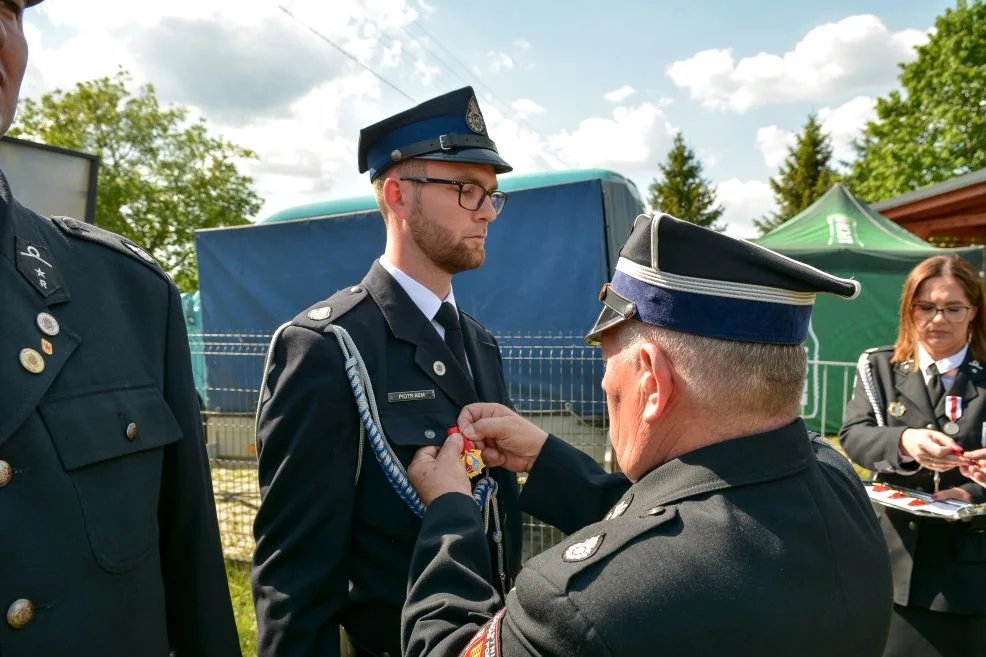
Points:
x=955 y=208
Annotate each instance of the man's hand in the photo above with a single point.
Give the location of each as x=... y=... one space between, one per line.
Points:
x=434 y=472
x=506 y=439
x=931 y=449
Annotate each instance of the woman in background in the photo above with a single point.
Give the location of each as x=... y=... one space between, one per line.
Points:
x=918 y=406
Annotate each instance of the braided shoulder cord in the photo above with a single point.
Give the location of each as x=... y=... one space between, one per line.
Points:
x=865 y=372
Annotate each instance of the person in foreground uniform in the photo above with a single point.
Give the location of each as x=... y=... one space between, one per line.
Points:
x=733 y=530
x=335 y=530
x=917 y=406
x=111 y=545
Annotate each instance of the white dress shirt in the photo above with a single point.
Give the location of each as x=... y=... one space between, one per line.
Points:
x=426 y=300
x=925 y=361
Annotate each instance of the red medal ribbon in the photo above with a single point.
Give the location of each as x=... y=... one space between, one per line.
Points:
x=953 y=407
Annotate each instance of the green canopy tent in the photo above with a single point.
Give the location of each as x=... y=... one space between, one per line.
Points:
x=843 y=236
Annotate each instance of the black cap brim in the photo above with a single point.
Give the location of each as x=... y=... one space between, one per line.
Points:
x=617 y=309
x=471 y=156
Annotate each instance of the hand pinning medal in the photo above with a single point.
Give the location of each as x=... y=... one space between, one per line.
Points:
x=471 y=457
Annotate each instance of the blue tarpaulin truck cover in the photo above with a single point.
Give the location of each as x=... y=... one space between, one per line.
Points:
x=547 y=256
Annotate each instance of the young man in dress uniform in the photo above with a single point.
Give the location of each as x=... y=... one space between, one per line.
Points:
x=733 y=531
x=111 y=545
x=335 y=530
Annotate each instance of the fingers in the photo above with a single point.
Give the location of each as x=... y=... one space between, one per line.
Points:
x=472 y=412
x=958 y=494
x=449 y=454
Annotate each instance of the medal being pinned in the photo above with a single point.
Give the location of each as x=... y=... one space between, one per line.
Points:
x=471 y=457
x=896 y=409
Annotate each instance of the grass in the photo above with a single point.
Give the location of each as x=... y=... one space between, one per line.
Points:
x=238 y=574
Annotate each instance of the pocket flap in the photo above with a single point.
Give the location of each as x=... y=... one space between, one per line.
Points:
x=418 y=429
x=99 y=426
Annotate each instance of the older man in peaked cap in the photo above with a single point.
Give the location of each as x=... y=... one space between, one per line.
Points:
x=733 y=531
x=335 y=530
x=111 y=546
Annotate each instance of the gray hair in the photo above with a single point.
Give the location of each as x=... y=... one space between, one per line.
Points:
x=744 y=379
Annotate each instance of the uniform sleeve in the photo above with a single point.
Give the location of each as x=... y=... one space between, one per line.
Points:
x=307 y=443
x=199 y=611
x=566 y=488
x=867 y=444
x=451 y=606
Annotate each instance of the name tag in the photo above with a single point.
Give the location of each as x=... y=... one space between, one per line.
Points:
x=410 y=395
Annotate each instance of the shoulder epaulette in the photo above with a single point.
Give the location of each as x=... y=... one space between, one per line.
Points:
x=323 y=313
x=85 y=231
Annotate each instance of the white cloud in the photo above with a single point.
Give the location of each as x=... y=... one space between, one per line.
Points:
x=744 y=201
x=843 y=124
x=856 y=54
x=522 y=44
x=524 y=107
x=630 y=138
x=499 y=61
x=773 y=143
x=619 y=95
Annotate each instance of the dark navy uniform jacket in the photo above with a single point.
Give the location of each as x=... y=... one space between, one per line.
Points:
x=762 y=545
x=333 y=550
x=937 y=564
x=111 y=546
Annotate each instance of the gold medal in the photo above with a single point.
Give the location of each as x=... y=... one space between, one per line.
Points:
x=896 y=409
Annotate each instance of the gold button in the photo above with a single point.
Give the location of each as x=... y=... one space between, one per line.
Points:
x=20 y=613
x=32 y=361
x=6 y=473
x=913 y=526
x=131 y=431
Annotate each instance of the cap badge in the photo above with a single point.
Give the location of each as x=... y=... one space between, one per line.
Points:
x=584 y=549
x=474 y=118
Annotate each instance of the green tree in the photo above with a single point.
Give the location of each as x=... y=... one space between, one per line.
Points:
x=936 y=128
x=681 y=191
x=805 y=174
x=161 y=176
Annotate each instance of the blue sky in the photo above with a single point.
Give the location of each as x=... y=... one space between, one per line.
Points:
x=562 y=85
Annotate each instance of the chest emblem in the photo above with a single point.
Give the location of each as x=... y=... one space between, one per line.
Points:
x=896 y=409
x=620 y=508
x=584 y=549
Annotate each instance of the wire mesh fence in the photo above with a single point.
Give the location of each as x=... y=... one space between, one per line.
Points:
x=553 y=380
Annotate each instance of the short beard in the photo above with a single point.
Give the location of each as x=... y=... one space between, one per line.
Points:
x=437 y=243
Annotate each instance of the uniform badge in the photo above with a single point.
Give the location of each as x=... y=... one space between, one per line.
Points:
x=905 y=367
x=410 y=395
x=975 y=366
x=474 y=118
x=439 y=368
x=47 y=347
x=141 y=253
x=896 y=409
x=486 y=642
x=584 y=549
x=471 y=458
x=620 y=508
x=47 y=324
x=37 y=266
x=953 y=408
x=320 y=314
x=32 y=361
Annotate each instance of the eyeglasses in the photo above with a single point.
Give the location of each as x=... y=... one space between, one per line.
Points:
x=925 y=312
x=471 y=195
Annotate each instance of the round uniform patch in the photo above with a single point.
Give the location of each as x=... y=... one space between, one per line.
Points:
x=474 y=118
x=584 y=549
x=320 y=314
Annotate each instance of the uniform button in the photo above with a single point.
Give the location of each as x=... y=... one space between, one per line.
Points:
x=20 y=613
x=930 y=426
x=356 y=289
x=913 y=526
x=655 y=511
x=131 y=431
x=6 y=473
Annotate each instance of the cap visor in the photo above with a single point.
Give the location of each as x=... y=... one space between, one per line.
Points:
x=471 y=156
x=607 y=319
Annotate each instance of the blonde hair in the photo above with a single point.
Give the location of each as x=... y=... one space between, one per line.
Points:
x=411 y=167
x=906 y=347
x=748 y=380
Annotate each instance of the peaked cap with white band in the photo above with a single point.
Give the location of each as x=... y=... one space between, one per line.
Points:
x=686 y=278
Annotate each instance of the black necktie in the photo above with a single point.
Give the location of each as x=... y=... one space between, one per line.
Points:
x=448 y=317
x=935 y=388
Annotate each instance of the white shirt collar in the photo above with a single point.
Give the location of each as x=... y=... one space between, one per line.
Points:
x=426 y=300
x=944 y=365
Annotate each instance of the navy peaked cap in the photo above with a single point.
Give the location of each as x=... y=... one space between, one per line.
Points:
x=449 y=127
x=686 y=278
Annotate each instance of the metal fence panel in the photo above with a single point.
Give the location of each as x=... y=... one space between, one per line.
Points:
x=561 y=394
